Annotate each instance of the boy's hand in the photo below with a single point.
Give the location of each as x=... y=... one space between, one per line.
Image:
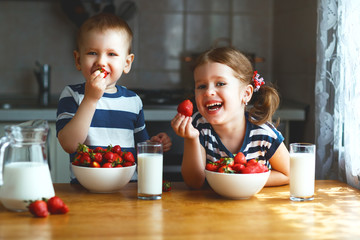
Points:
x=164 y=139
x=183 y=127
x=95 y=86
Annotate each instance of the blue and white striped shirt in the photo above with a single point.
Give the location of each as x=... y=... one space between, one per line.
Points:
x=118 y=119
x=261 y=141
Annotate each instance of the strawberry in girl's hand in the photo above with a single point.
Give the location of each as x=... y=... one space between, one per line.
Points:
x=186 y=108
x=102 y=70
x=39 y=208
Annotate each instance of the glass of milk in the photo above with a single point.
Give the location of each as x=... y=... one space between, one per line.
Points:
x=302 y=171
x=150 y=170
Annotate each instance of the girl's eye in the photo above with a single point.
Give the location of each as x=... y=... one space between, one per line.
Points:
x=221 y=84
x=91 y=53
x=112 y=54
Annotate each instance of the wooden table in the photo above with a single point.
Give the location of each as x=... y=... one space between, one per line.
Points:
x=193 y=214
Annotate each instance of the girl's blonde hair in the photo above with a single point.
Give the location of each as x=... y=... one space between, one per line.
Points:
x=103 y=22
x=265 y=101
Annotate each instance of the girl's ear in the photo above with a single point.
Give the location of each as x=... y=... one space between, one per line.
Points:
x=248 y=92
x=77 y=60
x=128 y=61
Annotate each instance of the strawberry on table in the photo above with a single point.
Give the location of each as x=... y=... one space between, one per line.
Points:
x=57 y=206
x=186 y=108
x=39 y=208
x=166 y=186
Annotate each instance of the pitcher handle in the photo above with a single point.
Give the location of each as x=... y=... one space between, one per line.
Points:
x=4 y=142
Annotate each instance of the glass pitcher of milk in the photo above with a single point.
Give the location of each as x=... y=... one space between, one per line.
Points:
x=24 y=170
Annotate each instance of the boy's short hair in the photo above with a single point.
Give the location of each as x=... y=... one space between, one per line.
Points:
x=102 y=22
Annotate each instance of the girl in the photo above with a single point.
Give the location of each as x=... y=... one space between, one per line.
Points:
x=224 y=85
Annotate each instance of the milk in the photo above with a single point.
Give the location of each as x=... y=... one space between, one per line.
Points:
x=302 y=175
x=150 y=171
x=24 y=181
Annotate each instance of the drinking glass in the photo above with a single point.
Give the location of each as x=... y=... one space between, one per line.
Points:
x=302 y=171
x=150 y=170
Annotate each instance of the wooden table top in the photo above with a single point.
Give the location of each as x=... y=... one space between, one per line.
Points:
x=193 y=214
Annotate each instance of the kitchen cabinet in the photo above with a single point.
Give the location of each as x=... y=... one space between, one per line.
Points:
x=59 y=162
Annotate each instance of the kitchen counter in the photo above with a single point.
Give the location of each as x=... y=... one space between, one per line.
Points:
x=193 y=214
x=286 y=112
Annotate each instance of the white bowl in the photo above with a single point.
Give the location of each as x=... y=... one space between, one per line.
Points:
x=236 y=186
x=103 y=180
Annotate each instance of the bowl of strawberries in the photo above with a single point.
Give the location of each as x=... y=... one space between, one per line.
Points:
x=237 y=178
x=103 y=170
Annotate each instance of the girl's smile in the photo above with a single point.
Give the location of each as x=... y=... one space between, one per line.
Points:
x=213 y=106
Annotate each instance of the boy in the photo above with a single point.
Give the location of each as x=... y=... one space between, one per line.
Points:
x=98 y=112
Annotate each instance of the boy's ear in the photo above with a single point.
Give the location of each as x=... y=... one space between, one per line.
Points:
x=77 y=60
x=128 y=61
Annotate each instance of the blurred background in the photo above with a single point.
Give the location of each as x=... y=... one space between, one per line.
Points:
x=279 y=35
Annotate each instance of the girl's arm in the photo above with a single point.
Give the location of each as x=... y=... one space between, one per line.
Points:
x=193 y=164
x=280 y=164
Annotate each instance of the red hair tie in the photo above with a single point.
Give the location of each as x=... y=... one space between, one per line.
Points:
x=258 y=82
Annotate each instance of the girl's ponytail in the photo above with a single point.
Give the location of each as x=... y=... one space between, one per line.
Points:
x=264 y=103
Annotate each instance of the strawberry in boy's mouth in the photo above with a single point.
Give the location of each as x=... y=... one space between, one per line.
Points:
x=102 y=70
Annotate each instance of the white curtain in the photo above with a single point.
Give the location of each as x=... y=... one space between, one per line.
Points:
x=337 y=91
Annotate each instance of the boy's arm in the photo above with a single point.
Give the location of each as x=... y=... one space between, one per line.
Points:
x=164 y=139
x=77 y=129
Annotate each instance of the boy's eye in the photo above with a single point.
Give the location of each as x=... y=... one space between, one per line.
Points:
x=91 y=53
x=112 y=54
x=221 y=84
x=201 y=87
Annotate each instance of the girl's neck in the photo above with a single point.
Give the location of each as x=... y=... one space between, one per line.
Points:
x=232 y=133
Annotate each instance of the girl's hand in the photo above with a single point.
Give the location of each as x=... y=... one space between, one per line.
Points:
x=183 y=127
x=95 y=86
x=164 y=139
